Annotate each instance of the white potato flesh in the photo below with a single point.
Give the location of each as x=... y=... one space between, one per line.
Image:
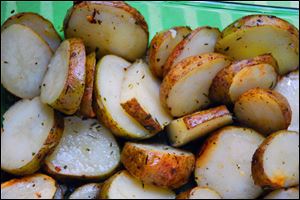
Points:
x=203 y=193
x=88 y=191
x=141 y=85
x=164 y=149
x=26 y=127
x=289 y=193
x=109 y=81
x=125 y=186
x=37 y=186
x=86 y=149
x=225 y=163
x=24 y=60
x=288 y=86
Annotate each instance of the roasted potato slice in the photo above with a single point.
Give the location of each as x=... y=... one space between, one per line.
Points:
x=162 y=45
x=140 y=98
x=254 y=35
x=87 y=191
x=185 y=88
x=108 y=28
x=110 y=72
x=276 y=162
x=288 y=86
x=286 y=193
x=242 y=76
x=199 y=193
x=124 y=186
x=30 y=131
x=24 y=59
x=64 y=82
x=86 y=106
x=196 y=125
x=87 y=150
x=224 y=163
x=37 y=186
x=157 y=164
x=263 y=110
x=199 y=41
x=43 y=27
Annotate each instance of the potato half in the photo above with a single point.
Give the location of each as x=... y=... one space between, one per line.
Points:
x=263 y=110
x=140 y=98
x=242 y=76
x=157 y=164
x=30 y=131
x=162 y=45
x=199 y=41
x=199 y=193
x=288 y=86
x=108 y=28
x=24 y=59
x=185 y=88
x=87 y=150
x=110 y=72
x=286 y=193
x=64 y=82
x=224 y=163
x=255 y=35
x=196 y=125
x=276 y=162
x=37 y=186
x=124 y=186
x=43 y=27
x=87 y=191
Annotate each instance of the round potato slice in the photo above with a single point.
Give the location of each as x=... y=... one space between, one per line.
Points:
x=108 y=28
x=88 y=191
x=263 y=110
x=24 y=59
x=37 y=186
x=224 y=163
x=30 y=131
x=64 y=82
x=199 y=193
x=87 y=150
x=124 y=186
x=289 y=193
x=288 y=86
x=199 y=41
x=254 y=35
x=276 y=162
x=157 y=164
x=185 y=88
x=242 y=76
x=162 y=45
x=38 y=24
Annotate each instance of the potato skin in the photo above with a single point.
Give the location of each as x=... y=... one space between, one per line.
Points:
x=157 y=168
x=70 y=98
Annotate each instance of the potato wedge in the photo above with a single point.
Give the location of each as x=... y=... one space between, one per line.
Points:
x=162 y=45
x=275 y=163
x=190 y=127
x=110 y=72
x=224 y=163
x=263 y=110
x=43 y=27
x=24 y=59
x=64 y=82
x=37 y=186
x=199 y=193
x=30 y=131
x=124 y=186
x=254 y=35
x=199 y=41
x=86 y=106
x=185 y=88
x=288 y=193
x=87 y=150
x=87 y=191
x=108 y=28
x=288 y=86
x=242 y=76
x=157 y=164
x=140 y=98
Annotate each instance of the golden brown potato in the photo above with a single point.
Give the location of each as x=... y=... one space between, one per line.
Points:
x=157 y=164
x=199 y=193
